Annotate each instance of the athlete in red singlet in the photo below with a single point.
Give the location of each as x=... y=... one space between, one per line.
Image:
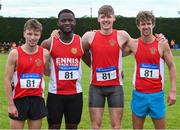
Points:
x=149 y=72
x=65 y=92
x=106 y=70
x=150 y=55
x=28 y=63
x=106 y=64
x=66 y=66
x=28 y=77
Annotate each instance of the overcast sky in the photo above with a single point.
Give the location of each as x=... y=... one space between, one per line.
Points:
x=49 y=8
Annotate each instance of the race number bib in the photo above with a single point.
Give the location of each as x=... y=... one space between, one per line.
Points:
x=68 y=72
x=149 y=70
x=30 y=80
x=104 y=74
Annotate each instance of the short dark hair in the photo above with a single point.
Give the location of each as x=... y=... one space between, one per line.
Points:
x=33 y=24
x=65 y=11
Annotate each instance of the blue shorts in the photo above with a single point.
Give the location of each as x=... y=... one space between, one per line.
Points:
x=152 y=104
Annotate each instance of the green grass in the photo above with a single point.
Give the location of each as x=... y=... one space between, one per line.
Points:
x=173 y=113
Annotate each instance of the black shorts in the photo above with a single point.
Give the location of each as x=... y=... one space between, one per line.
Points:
x=30 y=107
x=98 y=95
x=68 y=105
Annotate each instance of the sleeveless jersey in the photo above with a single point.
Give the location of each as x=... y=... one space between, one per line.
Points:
x=66 y=70
x=149 y=68
x=28 y=76
x=106 y=60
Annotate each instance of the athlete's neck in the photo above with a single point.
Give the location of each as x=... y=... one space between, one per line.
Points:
x=148 y=39
x=106 y=32
x=66 y=37
x=29 y=49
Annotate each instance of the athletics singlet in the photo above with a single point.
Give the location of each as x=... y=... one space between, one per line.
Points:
x=28 y=76
x=66 y=66
x=149 y=68
x=106 y=60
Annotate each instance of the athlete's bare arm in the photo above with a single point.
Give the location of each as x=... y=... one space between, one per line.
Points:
x=9 y=71
x=128 y=44
x=168 y=58
x=46 y=62
x=86 y=41
x=46 y=44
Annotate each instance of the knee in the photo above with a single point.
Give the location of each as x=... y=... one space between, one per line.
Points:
x=71 y=126
x=96 y=125
x=54 y=126
x=115 y=125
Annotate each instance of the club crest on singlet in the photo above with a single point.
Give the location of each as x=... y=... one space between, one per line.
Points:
x=38 y=62
x=74 y=50
x=112 y=42
x=153 y=50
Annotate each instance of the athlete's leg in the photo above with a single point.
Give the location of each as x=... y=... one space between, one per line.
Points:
x=55 y=106
x=34 y=124
x=53 y=126
x=116 y=117
x=22 y=107
x=35 y=115
x=73 y=110
x=140 y=108
x=72 y=126
x=159 y=123
x=138 y=122
x=158 y=112
x=96 y=115
x=115 y=97
x=16 y=124
x=96 y=106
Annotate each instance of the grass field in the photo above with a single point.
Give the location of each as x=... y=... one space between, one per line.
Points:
x=173 y=113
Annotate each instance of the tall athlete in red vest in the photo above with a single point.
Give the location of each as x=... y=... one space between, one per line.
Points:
x=150 y=55
x=26 y=65
x=65 y=92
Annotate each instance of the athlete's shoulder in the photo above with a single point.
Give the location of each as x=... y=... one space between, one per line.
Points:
x=90 y=33
x=14 y=52
x=122 y=33
x=13 y=56
x=88 y=37
x=45 y=51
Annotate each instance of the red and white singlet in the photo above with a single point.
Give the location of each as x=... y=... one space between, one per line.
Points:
x=106 y=60
x=66 y=70
x=28 y=76
x=149 y=68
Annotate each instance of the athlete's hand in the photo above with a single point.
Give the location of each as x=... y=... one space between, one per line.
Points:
x=12 y=110
x=55 y=33
x=171 y=99
x=161 y=38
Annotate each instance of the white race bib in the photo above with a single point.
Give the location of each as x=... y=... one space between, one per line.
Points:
x=104 y=74
x=68 y=72
x=149 y=70
x=30 y=80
